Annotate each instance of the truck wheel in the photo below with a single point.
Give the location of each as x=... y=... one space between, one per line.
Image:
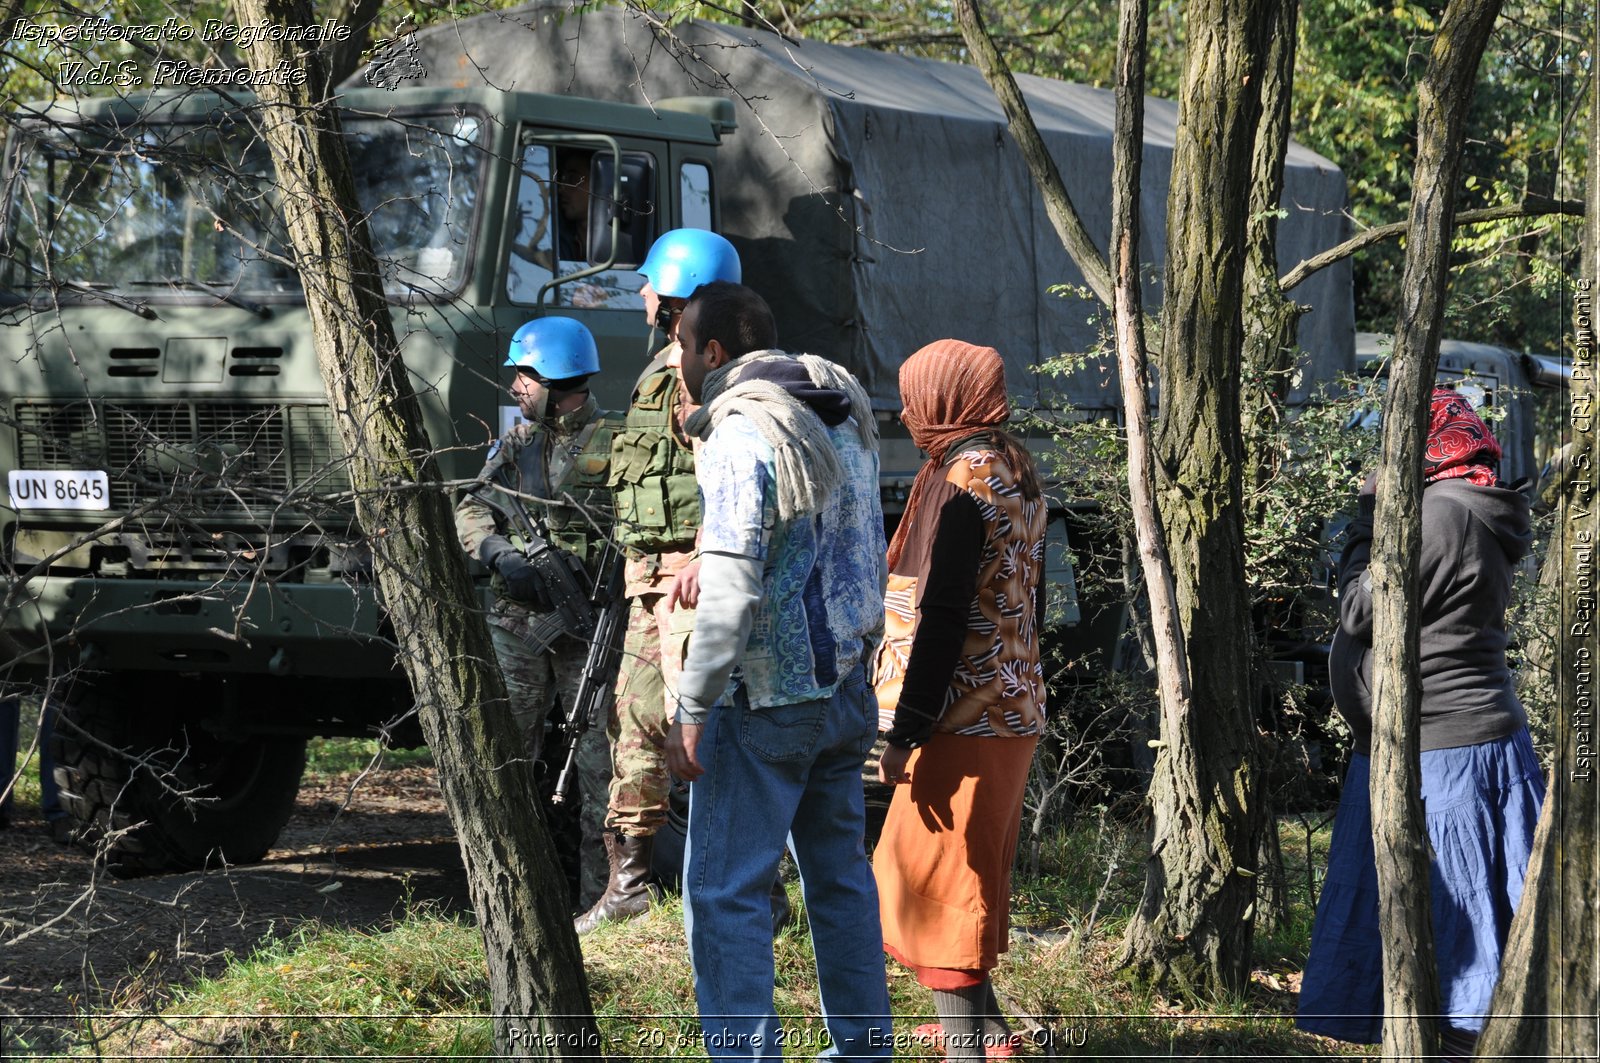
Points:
x=158 y=792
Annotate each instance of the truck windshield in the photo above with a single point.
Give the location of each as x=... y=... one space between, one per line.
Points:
x=185 y=204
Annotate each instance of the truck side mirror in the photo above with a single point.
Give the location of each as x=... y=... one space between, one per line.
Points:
x=633 y=210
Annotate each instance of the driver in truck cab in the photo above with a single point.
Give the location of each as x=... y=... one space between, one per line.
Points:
x=542 y=552
x=572 y=204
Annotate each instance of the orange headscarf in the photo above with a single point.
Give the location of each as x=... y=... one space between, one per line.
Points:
x=950 y=390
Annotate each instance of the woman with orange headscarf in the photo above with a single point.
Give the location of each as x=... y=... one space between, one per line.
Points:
x=960 y=687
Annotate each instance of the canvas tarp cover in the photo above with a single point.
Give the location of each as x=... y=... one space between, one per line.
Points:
x=877 y=201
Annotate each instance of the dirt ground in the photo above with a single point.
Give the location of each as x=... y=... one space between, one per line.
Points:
x=73 y=937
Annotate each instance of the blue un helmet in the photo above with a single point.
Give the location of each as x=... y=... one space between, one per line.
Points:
x=683 y=259
x=554 y=348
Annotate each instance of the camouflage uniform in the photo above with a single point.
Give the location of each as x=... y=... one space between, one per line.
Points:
x=541 y=673
x=658 y=513
x=652 y=657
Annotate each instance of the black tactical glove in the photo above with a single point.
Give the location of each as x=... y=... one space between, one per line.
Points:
x=522 y=581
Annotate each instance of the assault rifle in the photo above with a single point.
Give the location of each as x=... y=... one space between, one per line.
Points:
x=600 y=666
x=561 y=573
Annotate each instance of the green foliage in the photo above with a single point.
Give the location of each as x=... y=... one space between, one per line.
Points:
x=1074 y=41
x=1315 y=463
x=1319 y=464
x=40 y=71
x=25 y=789
x=1358 y=69
x=1358 y=66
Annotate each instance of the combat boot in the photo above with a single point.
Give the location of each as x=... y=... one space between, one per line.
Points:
x=782 y=910
x=628 y=892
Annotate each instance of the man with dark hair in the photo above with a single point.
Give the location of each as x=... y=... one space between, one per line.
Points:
x=774 y=712
x=572 y=204
x=737 y=312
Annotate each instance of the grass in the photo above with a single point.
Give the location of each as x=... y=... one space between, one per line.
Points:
x=26 y=791
x=342 y=756
x=418 y=988
x=1067 y=927
x=396 y=992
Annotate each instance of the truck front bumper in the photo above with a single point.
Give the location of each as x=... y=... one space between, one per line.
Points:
x=332 y=629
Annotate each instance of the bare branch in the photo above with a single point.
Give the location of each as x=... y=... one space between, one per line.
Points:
x=1172 y=663
x=1532 y=206
x=1046 y=175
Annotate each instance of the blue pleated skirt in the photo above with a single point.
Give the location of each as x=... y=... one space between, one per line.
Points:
x=1481 y=803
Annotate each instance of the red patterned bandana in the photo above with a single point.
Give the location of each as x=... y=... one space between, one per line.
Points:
x=1459 y=443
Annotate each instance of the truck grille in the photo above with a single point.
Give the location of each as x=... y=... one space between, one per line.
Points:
x=207 y=458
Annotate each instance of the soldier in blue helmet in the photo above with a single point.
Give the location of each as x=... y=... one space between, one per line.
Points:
x=657 y=516
x=561 y=450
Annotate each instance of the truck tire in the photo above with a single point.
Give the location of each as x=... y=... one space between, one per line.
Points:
x=155 y=791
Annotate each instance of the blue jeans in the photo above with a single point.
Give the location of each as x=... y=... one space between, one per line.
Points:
x=793 y=771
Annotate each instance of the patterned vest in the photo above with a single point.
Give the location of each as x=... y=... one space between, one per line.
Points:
x=998 y=686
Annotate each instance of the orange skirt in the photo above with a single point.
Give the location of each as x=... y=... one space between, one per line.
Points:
x=943 y=862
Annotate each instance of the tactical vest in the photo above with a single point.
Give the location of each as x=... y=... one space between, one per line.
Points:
x=587 y=480
x=657 y=501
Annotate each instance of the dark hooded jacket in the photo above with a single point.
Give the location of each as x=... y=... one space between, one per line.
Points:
x=1472 y=539
x=831 y=405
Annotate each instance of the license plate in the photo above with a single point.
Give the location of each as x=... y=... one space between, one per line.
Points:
x=59 y=489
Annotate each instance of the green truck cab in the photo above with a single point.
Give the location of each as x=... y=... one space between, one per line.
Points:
x=182 y=568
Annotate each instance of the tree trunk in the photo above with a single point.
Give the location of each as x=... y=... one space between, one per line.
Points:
x=537 y=985
x=1046 y=176
x=1546 y=1003
x=1272 y=886
x=361 y=18
x=1172 y=666
x=1400 y=837
x=1270 y=321
x=1270 y=318
x=1194 y=926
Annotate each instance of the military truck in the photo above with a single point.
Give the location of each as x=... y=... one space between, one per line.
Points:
x=175 y=533
x=183 y=573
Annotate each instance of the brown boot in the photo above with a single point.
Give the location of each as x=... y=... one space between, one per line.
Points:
x=628 y=893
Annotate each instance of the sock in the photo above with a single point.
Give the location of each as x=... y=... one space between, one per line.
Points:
x=996 y=1030
x=961 y=1015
